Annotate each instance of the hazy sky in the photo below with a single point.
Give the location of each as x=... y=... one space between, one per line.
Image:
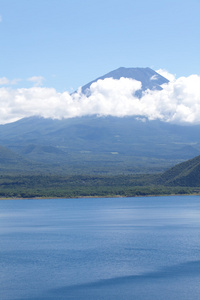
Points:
x=48 y=48
x=67 y=43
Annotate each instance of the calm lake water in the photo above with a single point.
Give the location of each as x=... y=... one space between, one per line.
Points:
x=100 y=249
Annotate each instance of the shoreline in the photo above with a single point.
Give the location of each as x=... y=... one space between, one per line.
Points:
x=98 y=197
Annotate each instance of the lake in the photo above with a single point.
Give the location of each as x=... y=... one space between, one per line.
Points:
x=100 y=249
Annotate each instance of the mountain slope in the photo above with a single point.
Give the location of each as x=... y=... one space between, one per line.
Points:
x=102 y=144
x=183 y=174
x=11 y=162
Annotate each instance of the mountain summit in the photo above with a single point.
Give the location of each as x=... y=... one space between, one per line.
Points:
x=148 y=77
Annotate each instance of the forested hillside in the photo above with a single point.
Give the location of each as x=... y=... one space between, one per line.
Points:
x=183 y=174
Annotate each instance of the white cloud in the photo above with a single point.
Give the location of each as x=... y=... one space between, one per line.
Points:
x=37 y=80
x=166 y=74
x=178 y=102
x=0 y=18
x=6 y=81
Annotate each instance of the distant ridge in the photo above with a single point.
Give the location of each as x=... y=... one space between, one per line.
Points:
x=103 y=145
x=148 y=77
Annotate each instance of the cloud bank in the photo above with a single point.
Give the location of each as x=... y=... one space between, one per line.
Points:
x=177 y=102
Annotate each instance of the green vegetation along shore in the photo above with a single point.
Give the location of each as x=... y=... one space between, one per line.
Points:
x=48 y=186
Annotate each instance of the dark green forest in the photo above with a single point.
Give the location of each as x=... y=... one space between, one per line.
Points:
x=37 y=186
x=183 y=178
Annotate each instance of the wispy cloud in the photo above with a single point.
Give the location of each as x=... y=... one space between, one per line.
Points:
x=154 y=77
x=0 y=18
x=37 y=80
x=177 y=102
x=6 y=81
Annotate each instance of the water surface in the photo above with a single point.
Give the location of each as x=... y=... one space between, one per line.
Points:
x=119 y=248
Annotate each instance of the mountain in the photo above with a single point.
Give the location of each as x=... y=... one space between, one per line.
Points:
x=101 y=145
x=148 y=77
x=183 y=174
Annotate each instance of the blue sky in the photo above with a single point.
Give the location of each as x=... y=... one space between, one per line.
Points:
x=71 y=42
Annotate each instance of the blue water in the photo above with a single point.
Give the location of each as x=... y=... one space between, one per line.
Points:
x=100 y=249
